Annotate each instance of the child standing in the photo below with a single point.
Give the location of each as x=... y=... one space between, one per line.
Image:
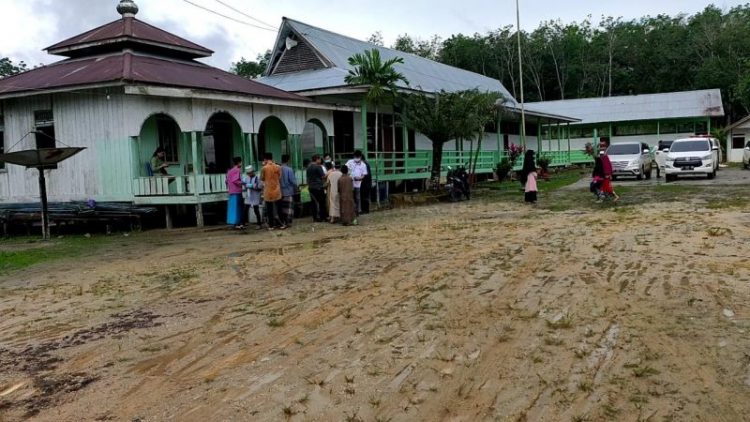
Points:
x=529 y=175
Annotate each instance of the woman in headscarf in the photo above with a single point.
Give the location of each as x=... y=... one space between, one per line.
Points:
x=528 y=173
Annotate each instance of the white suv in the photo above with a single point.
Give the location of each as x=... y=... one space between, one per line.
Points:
x=697 y=155
x=630 y=159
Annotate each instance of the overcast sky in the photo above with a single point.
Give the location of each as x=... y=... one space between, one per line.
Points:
x=28 y=26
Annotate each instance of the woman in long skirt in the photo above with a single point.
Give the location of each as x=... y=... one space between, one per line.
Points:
x=346 y=198
x=235 y=207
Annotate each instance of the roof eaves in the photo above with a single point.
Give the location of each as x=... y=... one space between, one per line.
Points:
x=738 y=123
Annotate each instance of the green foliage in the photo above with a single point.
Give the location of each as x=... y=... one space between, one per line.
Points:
x=543 y=161
x=503 y=168
x=16 y=254
x=379 y=76
x=251 y=69
x=376 y=38
x=429 y=49
x=448 y=115
x=652 y=54
x=9 y=68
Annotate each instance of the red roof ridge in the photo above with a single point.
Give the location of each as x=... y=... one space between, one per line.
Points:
x=128 y=28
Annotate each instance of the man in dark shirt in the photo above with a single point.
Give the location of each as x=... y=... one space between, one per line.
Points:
x=316 y=184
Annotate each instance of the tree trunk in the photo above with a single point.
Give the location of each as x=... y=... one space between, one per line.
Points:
x=437 y=161
x=377 y=160
x=476 y=156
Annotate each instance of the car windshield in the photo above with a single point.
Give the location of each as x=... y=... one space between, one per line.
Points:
x=624 y=149
x=665 y=144
x=690 y=146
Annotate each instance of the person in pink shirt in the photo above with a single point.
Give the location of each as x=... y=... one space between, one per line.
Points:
x=234 y=186
x=528 y=174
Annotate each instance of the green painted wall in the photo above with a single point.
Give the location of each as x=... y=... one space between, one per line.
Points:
x=275 y=134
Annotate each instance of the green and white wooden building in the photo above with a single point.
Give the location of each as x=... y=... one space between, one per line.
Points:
x=648 y=118
x=127 y=88
x=313 y=62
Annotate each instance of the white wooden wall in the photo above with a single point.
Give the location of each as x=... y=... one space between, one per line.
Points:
x=105 y=125
x=734 y=155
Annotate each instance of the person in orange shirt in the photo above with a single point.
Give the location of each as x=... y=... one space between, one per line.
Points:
x=270 y=175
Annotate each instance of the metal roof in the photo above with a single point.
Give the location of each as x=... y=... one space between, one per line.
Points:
x=126 y=67
x=131 y=30
x=673 y=105
x=423 y=74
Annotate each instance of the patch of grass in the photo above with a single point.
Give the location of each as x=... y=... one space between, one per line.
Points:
x=564 y=323
x=675 y=189
x=645 y=371
x=275 y=323
x=718 y=231
x=17 y=254
x=728 y=202
x=553 y=341
x=586 y=386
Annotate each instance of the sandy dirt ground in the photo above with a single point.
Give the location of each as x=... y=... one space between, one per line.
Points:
x=457 y=312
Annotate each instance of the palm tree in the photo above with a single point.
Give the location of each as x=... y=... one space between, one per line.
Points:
x=380 y=77
x=435 y=116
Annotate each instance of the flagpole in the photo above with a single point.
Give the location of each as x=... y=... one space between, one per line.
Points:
x=520 y=74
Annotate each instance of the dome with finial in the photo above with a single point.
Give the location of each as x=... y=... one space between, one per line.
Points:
x=127 y=8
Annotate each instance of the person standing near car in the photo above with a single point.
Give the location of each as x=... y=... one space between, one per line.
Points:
x=316 y=184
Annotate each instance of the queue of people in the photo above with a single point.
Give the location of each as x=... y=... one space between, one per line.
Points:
x=335 y=191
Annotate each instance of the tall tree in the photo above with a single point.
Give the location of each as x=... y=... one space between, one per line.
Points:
x=434 y=116
x=376 y=38
x=379 y=77
x=9 y=68
x=251 y=69
x=447 y=116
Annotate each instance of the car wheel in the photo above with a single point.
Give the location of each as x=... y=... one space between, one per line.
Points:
x=640 y=175
x=747 y=166
x=648 y=175
x=712 y=176
x=670 y=177
x=614 y=178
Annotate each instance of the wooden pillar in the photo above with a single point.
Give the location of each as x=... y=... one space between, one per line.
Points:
x=364 y=128
x=559 y=147
x=248 y=142
x=539 y=137
x=254 y=148
x=196 y=191
x=405 y=136
x=168 y=215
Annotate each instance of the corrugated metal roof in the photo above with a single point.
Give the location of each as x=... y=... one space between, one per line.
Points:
x=673 y=105
x=129 y=67
x=423 y=74
x=128 y=29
